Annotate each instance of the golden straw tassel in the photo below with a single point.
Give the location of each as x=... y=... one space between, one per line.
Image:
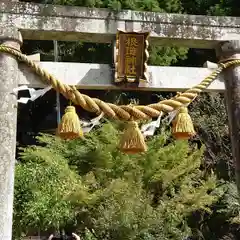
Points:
x=70 y=126
x=132 y=140
x=182 y=125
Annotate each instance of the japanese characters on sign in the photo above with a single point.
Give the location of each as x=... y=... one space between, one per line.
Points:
x=131 y=56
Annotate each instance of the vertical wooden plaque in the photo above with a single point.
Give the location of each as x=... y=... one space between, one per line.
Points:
x=131 y=56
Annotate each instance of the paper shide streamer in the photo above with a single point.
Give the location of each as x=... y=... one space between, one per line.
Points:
x=86 y=126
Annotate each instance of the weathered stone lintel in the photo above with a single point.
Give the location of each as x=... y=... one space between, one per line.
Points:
x=51 y=22
x=99 y=76
x=125 y=15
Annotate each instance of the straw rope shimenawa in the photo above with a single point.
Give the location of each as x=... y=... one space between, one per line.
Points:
x=121 y=112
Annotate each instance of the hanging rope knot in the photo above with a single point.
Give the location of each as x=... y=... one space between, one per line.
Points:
x=70 y=109
x=133 y=124
x=178 y=94
x=183 y=110
x=70 y=92
x=72 y=89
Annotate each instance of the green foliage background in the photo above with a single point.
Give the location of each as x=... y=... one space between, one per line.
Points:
x=89 y=184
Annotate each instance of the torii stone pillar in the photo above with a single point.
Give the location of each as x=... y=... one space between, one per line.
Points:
x=9 y=36
x=227 y=51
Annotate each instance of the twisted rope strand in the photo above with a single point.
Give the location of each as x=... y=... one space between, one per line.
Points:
x=123 y=112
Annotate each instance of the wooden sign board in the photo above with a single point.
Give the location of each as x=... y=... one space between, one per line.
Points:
x=131 y=56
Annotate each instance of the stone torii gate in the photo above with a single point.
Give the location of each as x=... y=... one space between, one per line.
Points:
x=48 y=22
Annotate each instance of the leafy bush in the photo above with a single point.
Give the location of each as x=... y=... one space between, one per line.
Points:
x=90 y=184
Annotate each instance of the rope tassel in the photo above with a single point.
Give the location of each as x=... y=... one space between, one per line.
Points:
x=132 y=140
x=183 y=125
x=70 y=126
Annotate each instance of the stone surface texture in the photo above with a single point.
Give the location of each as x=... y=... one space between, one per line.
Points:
x=228 y=50
x=99 y=76
x=51 y=22
x=8 y=120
